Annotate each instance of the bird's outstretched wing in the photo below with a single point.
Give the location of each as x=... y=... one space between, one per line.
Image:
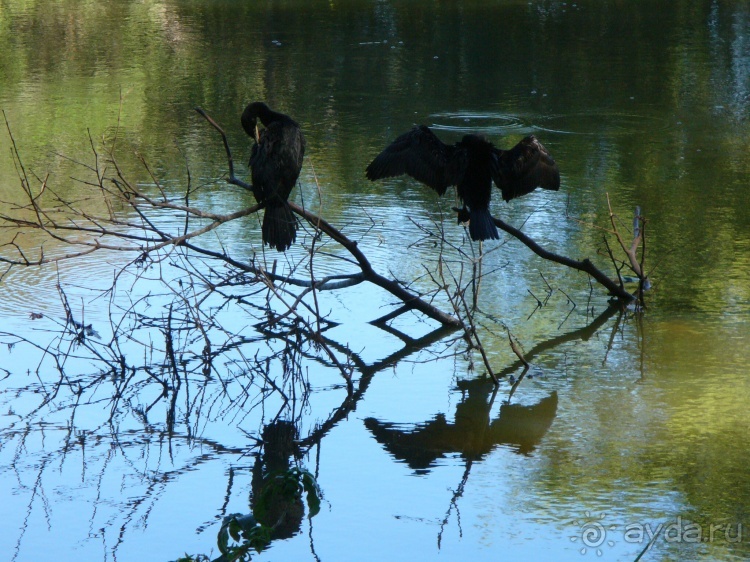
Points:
x=423 y=156
x=523 y=168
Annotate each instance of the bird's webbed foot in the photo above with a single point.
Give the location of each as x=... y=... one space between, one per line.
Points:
x=463 y=214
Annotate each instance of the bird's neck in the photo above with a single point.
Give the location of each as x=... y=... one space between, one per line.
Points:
x=268 y=116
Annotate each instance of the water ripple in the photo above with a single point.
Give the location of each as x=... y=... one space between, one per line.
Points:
x=601 y=123
x=479 y=122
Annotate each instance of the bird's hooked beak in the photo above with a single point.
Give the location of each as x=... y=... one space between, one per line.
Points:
x=256 y=138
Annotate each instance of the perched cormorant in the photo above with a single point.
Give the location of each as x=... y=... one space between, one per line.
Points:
x=276 y=161
x=471 y=164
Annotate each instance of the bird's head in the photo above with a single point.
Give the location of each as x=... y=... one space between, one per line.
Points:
x=473 y=138
x=475 y=142
x=253 y=112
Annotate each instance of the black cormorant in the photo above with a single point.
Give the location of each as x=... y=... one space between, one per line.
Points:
x=275 y=161
x=471 y=164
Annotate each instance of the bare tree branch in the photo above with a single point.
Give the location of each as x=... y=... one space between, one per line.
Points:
x=584 y=265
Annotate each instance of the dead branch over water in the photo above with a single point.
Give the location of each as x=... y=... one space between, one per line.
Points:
x=131 y=222
x=168 y=358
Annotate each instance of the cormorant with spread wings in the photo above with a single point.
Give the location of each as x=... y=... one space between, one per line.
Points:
x=472 y=164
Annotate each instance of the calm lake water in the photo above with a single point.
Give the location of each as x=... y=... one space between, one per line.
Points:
x=627 y=426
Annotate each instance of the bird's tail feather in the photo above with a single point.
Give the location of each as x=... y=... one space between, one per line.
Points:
x=279 y=227
x=481 y=225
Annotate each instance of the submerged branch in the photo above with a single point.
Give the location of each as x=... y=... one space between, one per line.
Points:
x=630 y=251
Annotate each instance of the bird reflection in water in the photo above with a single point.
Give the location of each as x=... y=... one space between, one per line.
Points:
x=472 y=435
x=279 y=510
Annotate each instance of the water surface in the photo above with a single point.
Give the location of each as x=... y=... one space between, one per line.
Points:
x=638 y=421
